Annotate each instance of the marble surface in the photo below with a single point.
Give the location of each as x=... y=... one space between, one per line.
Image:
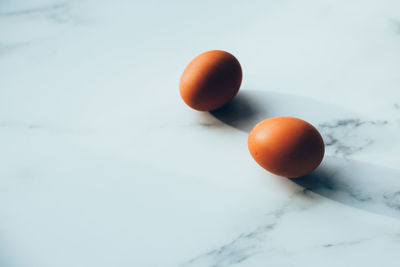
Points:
x=104 y=165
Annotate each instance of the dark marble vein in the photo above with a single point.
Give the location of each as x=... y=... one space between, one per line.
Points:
x=338 y=135
x=245 y=245
x=392 y=199
x=343 y=244
x=357 y=184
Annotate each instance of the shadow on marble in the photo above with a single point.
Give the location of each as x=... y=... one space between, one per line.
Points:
x=353 y=183
x=241 y=113
x=251 y=106
x=358 y=184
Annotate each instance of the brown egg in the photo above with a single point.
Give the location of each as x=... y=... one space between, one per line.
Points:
x=286 y=146
x=211 y=80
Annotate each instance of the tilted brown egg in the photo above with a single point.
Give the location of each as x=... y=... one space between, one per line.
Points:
x=210 y=80
x=286 y=146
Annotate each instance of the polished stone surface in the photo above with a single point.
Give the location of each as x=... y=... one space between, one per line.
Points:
x=104 y=165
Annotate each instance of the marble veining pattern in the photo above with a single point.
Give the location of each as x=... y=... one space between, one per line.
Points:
x=104 y=165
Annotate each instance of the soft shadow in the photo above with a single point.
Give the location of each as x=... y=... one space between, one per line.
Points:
x=357 y=184
x=353 y=183
x=251 y=106
x=241 y=113
x=317 y=181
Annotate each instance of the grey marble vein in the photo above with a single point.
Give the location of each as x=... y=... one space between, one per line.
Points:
x=392 y=199
x=345 y=133
x=396 y=23
x=29 y=127
x=245 y=245
x=58 y=13
x=343 y=244
x=94 y=175
x=345 y=137
x=361 y=185
x=16 y=125
x=6 y=48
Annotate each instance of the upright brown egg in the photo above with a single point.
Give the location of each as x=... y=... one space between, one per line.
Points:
x=286 y=146
x=211 y=80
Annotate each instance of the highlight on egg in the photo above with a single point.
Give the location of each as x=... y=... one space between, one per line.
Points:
x=286 y=146
x=210 y=80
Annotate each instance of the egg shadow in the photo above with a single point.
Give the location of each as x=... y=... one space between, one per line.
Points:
x=252 y=106
x=240 y=113
x=357 y=184
x=352 y=183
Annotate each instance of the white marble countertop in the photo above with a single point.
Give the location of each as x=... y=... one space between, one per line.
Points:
x=102 y=164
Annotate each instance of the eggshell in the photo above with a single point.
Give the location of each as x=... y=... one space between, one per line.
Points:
x=286 y=146
x=211 y=80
